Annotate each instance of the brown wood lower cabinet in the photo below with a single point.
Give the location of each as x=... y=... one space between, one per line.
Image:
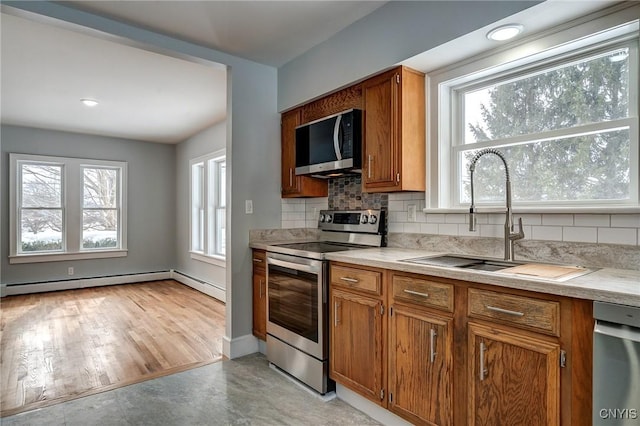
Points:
x=514 y=379
x=493 y=356
x=420 y=366
x=259 y=294
x=357 y=329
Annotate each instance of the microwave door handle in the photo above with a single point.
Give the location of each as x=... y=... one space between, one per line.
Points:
x=336 y=138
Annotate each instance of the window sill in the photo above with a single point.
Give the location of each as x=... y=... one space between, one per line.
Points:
x=541 y=210
x=59 y=257
x=213 y=260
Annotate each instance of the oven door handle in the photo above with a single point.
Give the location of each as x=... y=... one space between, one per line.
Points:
x=617 y=330
x=295 y=266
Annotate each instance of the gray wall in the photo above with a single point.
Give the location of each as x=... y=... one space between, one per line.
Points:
x=150 y=205
x=253 y=143
x=209 y=140
x=391 y=34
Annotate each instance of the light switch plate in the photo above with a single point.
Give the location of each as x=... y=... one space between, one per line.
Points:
x=248 y=206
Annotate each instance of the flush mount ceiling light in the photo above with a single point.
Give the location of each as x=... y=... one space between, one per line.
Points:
x=89 y=102
x=505 y=32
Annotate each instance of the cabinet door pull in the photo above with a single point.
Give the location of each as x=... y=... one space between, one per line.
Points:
x=432 y=353
x=349 y=280
x=416 y=293
x=505 y=311
x=483 y=370
x=290 y=176
x=336 y=306
x=369 y=160
x=255 y=259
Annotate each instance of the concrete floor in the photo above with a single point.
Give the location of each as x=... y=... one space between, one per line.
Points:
x=244 y=391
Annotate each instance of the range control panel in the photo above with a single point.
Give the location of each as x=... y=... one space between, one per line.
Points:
x=365 y=221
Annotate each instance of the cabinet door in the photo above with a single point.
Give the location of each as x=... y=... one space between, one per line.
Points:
x=290 y=183
x=514 y=378
x=380 y=147
x=356 y=344
x=260 y=306
x=420 y=366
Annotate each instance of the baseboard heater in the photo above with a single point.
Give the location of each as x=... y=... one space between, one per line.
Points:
x=211 y=289
x=76 y=283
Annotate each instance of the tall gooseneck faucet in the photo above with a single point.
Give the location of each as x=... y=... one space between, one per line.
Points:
x=509 y=235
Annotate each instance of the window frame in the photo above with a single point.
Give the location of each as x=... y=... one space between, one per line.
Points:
x=72 y=208
x=210 y=202
x=446 y=86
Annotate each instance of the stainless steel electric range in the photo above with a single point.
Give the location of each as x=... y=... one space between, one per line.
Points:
x=298 y=291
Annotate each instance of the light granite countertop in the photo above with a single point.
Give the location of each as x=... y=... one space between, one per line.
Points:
x=606 y=285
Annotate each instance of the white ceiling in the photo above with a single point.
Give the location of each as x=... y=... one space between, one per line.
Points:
x=268 y=32
x=46 y=70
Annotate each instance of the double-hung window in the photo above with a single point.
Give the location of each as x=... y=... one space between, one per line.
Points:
x=208 y=208
x=66 y=208
x=567 y=124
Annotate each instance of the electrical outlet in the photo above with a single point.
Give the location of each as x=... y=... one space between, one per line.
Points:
x=70 y=270
x=411 y=213
x=248 y=206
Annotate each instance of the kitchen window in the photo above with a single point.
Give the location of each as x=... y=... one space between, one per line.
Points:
x=208 y=208
x=566 y=120
x=66 y=208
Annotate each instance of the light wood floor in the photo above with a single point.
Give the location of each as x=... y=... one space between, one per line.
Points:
x=63 y=345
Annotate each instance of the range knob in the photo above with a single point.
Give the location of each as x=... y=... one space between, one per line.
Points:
x=373 y=219
x=328 y=218
x=364 y=219
x=321 y=218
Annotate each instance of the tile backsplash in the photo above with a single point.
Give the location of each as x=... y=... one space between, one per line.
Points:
x=580 y=228
x=345 y=193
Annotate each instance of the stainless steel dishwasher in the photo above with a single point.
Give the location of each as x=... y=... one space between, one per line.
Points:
x=616 y=365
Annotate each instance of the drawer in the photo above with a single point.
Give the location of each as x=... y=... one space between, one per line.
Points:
x=259 y=259
x=360 y=279
x=423 y=292
x=524 y=312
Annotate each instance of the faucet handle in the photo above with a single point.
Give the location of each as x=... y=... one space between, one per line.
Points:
x=520 y=233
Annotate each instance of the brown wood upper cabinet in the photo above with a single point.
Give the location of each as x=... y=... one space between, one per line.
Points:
x=394 y=132
x=292 y=185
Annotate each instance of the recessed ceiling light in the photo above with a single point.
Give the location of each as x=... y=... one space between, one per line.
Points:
x=505 y=32
x=89 y=102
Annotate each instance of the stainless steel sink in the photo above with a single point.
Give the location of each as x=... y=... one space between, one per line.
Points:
x=451 y=261
x=551 y=272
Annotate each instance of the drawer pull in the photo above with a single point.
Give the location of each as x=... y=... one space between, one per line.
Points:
x=416 y=293
x=349 y=280
x=255 y=259
x=505 y=311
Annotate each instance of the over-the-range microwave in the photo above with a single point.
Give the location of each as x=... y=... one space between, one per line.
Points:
x=331 y=146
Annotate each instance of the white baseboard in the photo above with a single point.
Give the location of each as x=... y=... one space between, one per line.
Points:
x=12 y=290
x=240 y=346
x=209 y=289
x=374 y=411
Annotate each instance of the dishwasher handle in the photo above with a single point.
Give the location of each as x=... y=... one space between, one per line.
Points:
x=617 y=330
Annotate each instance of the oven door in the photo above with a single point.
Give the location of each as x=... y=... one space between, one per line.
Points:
x=296 y=302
